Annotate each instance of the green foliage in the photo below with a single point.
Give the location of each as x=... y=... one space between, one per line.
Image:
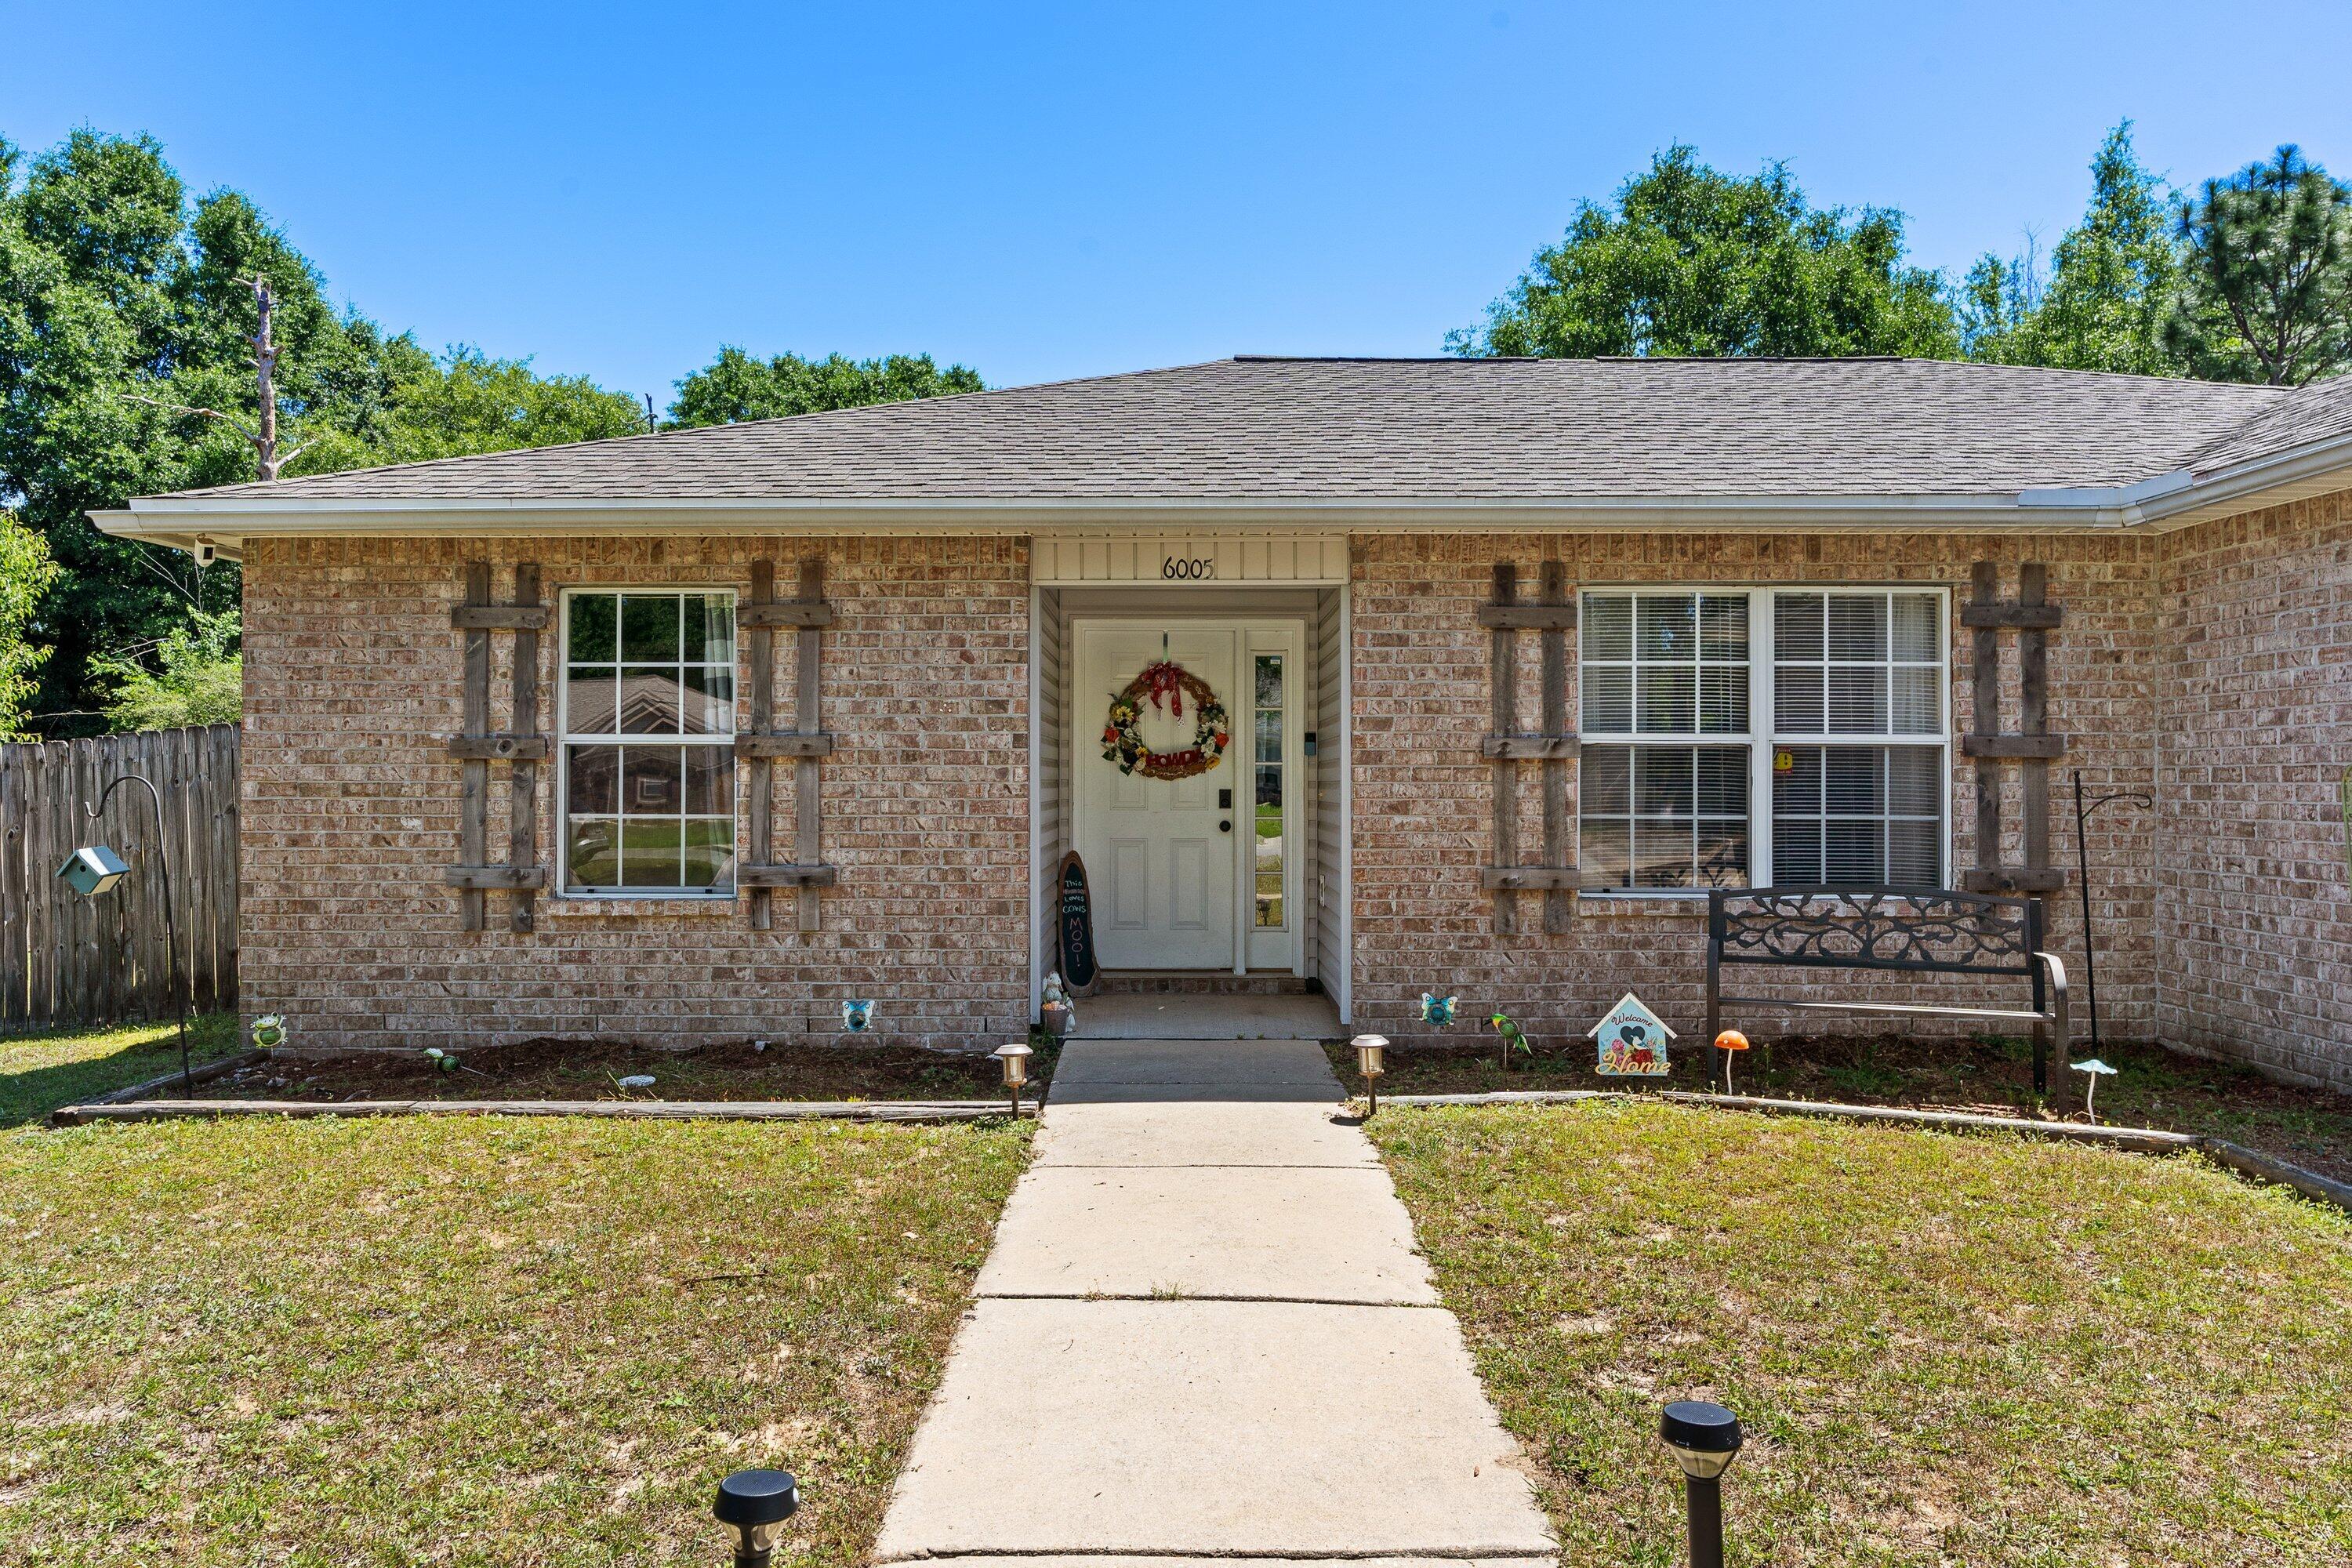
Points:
x=2110 y=283
x=25 y=573
x=735 y=386
x=201 y=679
x=1694 y=261
x=462 y=403
x=120 y=296
x=2268 y=283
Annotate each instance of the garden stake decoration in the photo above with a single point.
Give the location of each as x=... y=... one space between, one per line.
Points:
x=268 y=1032
x=857 y=1017
x=2138 y=797
x=1728 y=1041
x=2094 y=1069
x=1437 y=1011
x=1632 y=1041
x=1513 y=1039
x=96 y=868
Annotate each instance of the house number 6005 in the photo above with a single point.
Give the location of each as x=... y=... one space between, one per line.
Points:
x=1187 y=568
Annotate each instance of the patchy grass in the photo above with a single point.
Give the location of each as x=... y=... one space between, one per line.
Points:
x=1987 y=1075
x=474 y=1342
x=1948 y=1349
x=555 y=1069
x=40 y=1072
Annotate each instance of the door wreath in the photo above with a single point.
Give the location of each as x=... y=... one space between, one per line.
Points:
x=1166 y=684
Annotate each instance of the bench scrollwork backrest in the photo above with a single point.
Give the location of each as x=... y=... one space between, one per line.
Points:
x=1874 y=927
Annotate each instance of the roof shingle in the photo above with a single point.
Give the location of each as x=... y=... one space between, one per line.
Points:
x=1408 y=430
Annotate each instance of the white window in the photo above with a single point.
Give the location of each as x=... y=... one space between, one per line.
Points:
x=647 y=715
x=1734 y=737
x=1845 y=666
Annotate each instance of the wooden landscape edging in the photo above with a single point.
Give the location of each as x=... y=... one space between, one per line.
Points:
x=621 y=1110
x=2233 y=1157
x=1552 y=617
x=204 y=1072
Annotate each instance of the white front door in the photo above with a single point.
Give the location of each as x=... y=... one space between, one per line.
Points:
x=1160 y=854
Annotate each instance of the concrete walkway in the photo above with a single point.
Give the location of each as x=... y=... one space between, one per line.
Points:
x=1205 y=1332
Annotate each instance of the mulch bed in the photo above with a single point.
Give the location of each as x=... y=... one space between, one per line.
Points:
x=559 y=1069
x=1988 y=1074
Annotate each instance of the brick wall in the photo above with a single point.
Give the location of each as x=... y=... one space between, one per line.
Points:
x=2254 y=927
x=1424 y=798
x=350 y=808
x=2209 y=664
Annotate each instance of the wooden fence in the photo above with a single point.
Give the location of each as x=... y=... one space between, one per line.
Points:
x=66 y=959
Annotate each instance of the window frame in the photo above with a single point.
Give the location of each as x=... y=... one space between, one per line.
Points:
x=1761 y=737
x=564 y=740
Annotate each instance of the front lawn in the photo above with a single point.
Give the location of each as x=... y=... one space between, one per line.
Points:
x=42 y=1071
x=1949 y=1349
x=469 y=1341
x=1984 y=1075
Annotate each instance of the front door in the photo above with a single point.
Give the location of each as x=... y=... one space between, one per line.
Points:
x=1161 y=853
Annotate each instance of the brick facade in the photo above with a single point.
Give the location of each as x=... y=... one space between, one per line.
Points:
x=1424 y=798
x=353 y=688
x=2253 y=932
x=2213 y=665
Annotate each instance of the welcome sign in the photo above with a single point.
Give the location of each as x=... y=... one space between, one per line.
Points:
x=1632 y=1041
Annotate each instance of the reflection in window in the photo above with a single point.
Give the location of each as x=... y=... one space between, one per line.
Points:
x=1266 y=757
x=648 y=706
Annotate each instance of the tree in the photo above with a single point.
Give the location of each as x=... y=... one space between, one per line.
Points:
x=25 y=573
x=736 y=386
x=1693 y=261
x=2267 y=290
x=2110 y=281
x=201 y=679
x=123 y=308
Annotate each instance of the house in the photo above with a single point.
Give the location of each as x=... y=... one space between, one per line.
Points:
x=814 y=708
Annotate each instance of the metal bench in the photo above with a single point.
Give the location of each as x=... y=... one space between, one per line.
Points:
x=1918 y=930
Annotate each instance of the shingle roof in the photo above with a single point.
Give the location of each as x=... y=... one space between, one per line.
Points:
x=1404 y=430
x=2296 y=418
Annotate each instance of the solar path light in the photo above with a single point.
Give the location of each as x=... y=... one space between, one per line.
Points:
x=1704 y=1439
x=94 y=870
x=1015 y=1056
x=1370 y=1053
x=753 y=1506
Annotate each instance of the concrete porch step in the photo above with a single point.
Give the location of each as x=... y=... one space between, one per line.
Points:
x=1201 y=983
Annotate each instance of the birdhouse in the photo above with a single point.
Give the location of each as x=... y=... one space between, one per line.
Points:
x=92 y=870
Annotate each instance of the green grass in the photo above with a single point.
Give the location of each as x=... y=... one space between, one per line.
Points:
x=469 y=1342
x=40 y=1072
x=1949 y=1350
x=1985 y=1074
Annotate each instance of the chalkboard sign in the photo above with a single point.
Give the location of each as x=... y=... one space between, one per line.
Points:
x=1076 y=918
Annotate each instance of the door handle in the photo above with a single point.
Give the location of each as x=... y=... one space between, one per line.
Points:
x=1224 y=826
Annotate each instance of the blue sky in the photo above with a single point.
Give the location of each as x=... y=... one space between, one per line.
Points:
x=1051 y=191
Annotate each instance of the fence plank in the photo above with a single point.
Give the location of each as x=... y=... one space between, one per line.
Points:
x=41 y=986
x=227 y=863
x=66 y=959
x=15 y=1007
